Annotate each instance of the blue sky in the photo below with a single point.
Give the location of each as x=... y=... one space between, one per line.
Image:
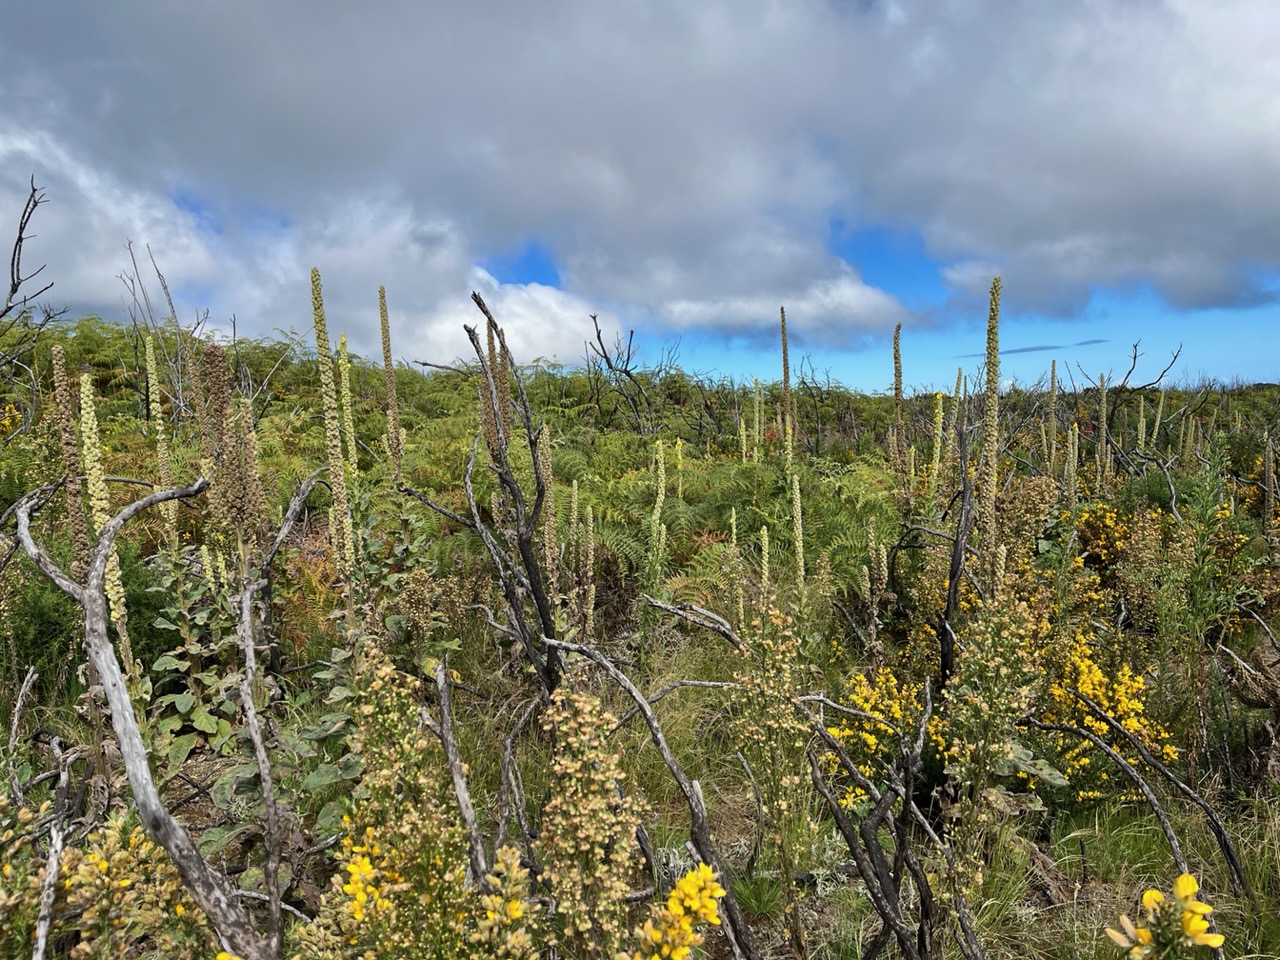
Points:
x=680 y=169
x=1224 y=344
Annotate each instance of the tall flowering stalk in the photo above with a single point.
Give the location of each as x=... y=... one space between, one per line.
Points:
x=100 y=512
x=168 y=510
x=953 y=418
x=348 y=418
x=797 y=528
x=939 y=426
x=71 y=464
x=340 y=530
x=764 y=563
x=898 y=450
x=1104 y=449
x=550 y=540
x=394 y=447
x=1268 y=486
x=1052 y=417
x=588 y=829
x=1070 y=480
x=989 y=480
x=657 y=530
x=788 y=428
x=1155 y=429
x=759 y=416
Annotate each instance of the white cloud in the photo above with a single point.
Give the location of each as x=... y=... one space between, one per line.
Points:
x=681 y=161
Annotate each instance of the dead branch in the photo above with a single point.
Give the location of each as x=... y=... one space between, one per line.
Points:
x=475 y=843
x=1239 y=881
x=699 y=617
x=229 y=918
x=271 y=871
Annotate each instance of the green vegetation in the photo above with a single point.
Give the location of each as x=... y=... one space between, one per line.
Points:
x=486 y=662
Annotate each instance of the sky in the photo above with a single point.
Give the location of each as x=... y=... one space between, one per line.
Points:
x=680 y=169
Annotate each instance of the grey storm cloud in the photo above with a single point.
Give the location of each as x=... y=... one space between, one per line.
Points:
x=681 y=162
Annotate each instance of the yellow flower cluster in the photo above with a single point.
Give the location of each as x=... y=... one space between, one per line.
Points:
x=671 y=932
x=1102 y=532
x=503 y=932
x=402 y=890
x=362 y=886
x=122 y=892
x=1168 y=926
x=881 y=695
x=1121 y=696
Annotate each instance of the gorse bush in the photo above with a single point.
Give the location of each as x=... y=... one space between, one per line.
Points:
x=612 y=662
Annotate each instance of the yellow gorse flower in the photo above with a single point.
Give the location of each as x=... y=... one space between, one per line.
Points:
x=1168 y=926
x=670 y=932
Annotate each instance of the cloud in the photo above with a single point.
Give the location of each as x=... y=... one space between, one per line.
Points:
x=680 y=162
x=1039 y=348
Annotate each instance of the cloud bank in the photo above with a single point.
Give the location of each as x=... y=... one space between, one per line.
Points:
x=681 y=163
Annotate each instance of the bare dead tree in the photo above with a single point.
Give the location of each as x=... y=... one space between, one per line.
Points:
x=229 y=918
x=21 y=317
x=883 y=871
x=514 y=551
x=622 y=362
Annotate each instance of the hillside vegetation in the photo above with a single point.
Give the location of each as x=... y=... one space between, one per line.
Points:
x=314 y=656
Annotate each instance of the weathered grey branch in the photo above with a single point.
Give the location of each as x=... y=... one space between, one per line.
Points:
x=1238 y=879
x=475 y=843
x=699 y=617
x=229 y=918
x=271 y=871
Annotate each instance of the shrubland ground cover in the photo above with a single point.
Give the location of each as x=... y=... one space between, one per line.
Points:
x=518 y=660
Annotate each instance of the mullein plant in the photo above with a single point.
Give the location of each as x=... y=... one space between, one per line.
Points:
x=739 y=591
x=550 y=546
x=1104 y=448
x=348 y=418
x=898 y=445
x=679 y=468
x=394 y=441
x=765 y=586
x=1052 y=418
x=759 y=414
x=65 y=416
x=1070 y=480
x=64 y=413
x=581 y=558
x=340 y=528
x=657 y=529
x=952 y=457
x=797 y=532
x=1268 y=487
x=939 y=426
x=164 y=467
x=100 y=512
x=588 y=830
x=788 y=428
x=989 y=479
x=1155 y=428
